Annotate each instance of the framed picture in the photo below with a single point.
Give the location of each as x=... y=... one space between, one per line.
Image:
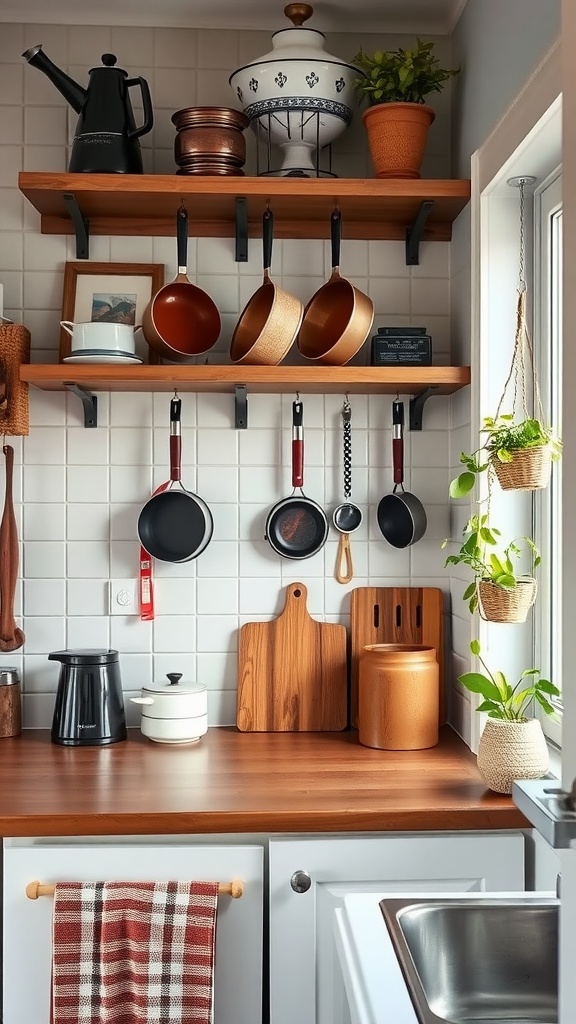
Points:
x=108 y=292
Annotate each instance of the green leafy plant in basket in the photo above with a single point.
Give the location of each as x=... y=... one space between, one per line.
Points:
x=482 y=551
x=402 y=75
x=501 y=699
x=504 y=438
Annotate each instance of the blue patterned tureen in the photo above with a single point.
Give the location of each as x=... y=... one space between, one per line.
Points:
x=298 y=97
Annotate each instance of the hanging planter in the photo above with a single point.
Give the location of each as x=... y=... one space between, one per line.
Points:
x=528 y=470
x=502 y=604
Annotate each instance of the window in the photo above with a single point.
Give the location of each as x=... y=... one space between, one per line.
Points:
x=547 y=503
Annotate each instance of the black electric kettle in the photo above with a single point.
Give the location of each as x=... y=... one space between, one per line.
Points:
x=106 y=136
x=89 y=709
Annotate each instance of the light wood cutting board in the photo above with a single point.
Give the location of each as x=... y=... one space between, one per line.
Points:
x=395 y=615
x=292 y=672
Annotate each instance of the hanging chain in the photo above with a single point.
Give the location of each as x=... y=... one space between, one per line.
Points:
x=347 y=447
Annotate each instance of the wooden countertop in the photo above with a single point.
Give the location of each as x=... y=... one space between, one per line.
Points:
x=242 y=782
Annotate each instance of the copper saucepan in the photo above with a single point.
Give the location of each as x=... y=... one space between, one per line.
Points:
x=270 y=320
x=338 y=317
x=181 y=320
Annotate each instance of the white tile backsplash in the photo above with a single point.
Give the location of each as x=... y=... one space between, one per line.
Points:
x=79 y=492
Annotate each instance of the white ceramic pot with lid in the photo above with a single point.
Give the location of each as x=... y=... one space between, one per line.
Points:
x=173 y=712
x=298 y=96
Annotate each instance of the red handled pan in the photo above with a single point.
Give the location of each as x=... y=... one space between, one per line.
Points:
x=297 y=527
x=175 y=525
x=401 y=515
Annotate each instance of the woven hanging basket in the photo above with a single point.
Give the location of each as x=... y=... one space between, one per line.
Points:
x=511 y=750
x=14 y=350
x=529 y=469
x=498 y=604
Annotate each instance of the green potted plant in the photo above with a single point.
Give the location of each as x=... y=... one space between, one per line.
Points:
x=521 y=455
x=397 y=120
x=498 y=591
x=512 y=745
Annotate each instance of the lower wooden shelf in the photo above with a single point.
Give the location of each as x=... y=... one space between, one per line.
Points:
x=445 y=380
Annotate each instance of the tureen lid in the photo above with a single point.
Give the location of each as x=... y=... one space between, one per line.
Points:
x=173 y=686
x=296 y=43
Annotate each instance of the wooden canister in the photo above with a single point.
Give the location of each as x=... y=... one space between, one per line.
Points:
x=398 y=696
x=10 y=703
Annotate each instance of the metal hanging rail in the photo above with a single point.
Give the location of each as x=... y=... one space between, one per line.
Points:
x=235 y=889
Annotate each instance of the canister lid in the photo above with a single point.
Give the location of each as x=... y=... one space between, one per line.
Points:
x=9 y=675
x=84 y=656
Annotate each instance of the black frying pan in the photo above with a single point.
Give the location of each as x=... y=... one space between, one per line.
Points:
x=297 y=527
x=175 y=525
x=401 y=515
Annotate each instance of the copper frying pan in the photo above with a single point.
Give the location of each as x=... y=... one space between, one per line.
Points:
x=181 y=320
x=338 y=317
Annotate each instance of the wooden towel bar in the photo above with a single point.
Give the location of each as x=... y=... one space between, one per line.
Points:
x=234 y=889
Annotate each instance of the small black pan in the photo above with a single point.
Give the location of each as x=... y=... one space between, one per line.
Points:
x=175 y=525
x=401 y=515
x=297 y=527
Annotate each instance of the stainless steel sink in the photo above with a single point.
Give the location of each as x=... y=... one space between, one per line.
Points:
x=478 y=960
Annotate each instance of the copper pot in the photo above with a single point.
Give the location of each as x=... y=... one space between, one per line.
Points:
x=210 y=140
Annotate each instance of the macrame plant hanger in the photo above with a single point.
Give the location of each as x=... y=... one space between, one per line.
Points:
x=530 y=468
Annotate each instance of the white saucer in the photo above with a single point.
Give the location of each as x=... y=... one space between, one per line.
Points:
x=91 y=355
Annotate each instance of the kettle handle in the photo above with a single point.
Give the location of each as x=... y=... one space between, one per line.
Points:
x=147 y=107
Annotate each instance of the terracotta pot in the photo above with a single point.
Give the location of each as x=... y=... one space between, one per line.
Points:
x=511 y=750
x=397 y=135
x=398 y=696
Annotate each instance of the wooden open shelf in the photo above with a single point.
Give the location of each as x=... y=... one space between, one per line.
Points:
x=146 y=204
x=264 y=379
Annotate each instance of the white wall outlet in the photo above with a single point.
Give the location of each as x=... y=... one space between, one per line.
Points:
x=123 y=597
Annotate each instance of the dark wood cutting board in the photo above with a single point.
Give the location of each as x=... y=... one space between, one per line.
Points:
x=395 y=615
x=292 y=672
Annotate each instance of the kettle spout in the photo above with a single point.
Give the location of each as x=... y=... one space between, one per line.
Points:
x=71 y=91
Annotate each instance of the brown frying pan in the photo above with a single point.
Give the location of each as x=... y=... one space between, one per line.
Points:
x=269 y=322
x=181 y=320
x=338 y=318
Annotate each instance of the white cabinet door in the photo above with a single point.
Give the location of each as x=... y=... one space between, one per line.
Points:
x=27 y=923
x=305 y=979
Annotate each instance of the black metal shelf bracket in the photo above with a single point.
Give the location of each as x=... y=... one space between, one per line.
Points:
x=414 y=233
x=241 y=230
x=81 y=225
x=417 y=405
x=240 y=407
x=89 y=403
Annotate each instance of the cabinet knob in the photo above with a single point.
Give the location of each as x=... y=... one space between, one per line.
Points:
x=300 y=881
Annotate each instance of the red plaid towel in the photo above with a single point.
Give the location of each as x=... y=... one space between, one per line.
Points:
x=133 y=952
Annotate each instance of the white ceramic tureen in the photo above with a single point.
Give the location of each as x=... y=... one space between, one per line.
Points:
x=298 y=97
x=173 y=712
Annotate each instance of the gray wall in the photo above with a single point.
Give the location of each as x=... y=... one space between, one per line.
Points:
x=498 y=43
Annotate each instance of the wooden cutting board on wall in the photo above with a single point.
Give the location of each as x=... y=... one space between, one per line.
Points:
x=292 y=672
x=395 y=615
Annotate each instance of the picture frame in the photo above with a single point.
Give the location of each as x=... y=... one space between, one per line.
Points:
x=111 y=292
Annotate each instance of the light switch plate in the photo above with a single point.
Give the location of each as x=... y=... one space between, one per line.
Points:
x=123 y=597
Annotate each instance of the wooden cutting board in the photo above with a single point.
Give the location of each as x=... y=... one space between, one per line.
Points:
x=292 y=672
x=395 y=615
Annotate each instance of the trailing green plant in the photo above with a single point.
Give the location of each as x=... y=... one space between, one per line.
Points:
x=401 y=75
x=482 y=552
x=503 y=701
x=504 y=437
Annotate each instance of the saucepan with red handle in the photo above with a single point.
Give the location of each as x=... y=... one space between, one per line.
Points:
x=175 y=525
x=401 y=515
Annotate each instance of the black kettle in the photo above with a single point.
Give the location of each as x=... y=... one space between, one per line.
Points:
x=106 y=136
x=89 y=708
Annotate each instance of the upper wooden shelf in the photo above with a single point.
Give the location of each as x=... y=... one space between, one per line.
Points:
x=146 y=204
x=264 y=379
